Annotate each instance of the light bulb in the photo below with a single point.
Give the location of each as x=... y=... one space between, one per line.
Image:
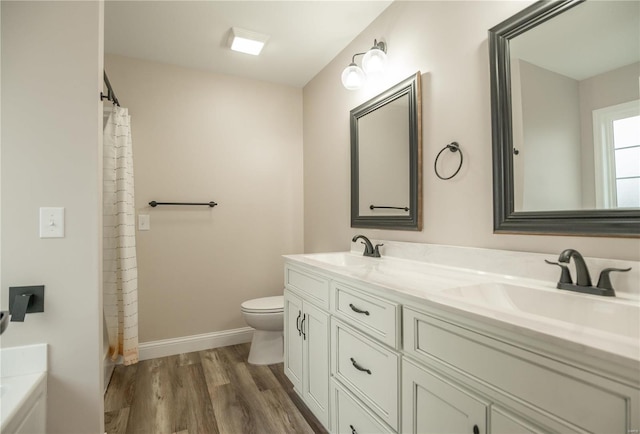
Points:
x=352 y=77
x=374 y=61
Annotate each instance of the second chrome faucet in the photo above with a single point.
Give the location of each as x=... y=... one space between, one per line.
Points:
x=583 y=279
x=369 y=249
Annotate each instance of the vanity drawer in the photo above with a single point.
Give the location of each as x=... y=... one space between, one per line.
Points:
x=311 y=286
x=350 y=416
x=593 y=403
x=374 y=316
x=369 y=370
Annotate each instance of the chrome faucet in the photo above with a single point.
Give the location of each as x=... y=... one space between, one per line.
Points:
x=583 y=279
x=582 y=272
x=369 y=250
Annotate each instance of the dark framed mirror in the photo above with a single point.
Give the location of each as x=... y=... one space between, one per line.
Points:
x=564 y=89
x=386 y=159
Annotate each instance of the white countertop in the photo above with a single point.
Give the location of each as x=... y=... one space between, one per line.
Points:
x=23 y=379
x=19 y=393
x=604 y=327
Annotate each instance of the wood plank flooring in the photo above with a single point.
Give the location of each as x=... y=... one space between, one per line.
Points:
x=213 y=391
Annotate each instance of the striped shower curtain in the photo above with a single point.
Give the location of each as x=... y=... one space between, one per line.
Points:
x=120 y=271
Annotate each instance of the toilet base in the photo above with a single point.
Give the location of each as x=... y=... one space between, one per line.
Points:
x=267 y=348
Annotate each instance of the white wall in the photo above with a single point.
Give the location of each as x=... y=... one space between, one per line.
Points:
x=447 y=42
x=51 y=79
x=199 y=136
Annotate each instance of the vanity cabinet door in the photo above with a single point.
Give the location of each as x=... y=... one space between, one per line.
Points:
x=431 y=404
x=293 y=339
x=315 y=333
x=306 y=353
x=504 y=422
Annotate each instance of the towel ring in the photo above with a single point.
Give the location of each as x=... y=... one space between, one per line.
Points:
x=453 y=147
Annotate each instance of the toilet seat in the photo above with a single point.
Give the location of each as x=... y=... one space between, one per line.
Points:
x=264 y=305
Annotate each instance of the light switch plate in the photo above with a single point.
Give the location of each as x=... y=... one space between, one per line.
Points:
x=144 y=222
x=52 y=222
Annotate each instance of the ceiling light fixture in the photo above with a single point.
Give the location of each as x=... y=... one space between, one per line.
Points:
x=246 y=41
x=373 y=62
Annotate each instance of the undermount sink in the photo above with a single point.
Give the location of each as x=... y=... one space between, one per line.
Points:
x=575 y=309
x=340 y=259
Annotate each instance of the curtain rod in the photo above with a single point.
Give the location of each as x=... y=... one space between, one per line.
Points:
x=111 y=95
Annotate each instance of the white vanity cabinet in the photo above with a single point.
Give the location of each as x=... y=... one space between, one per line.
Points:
x=306 y=339
x=508 y=388
x=371 y=359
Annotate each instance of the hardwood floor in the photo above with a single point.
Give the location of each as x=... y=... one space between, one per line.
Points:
x=213 y=391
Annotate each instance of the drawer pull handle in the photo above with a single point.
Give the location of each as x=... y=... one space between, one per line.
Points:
x=360 y=368
x=356 y=310
x=298 y=323
x=353 y=430
x=476 y=430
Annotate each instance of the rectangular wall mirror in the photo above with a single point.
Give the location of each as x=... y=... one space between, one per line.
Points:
x=386 y=159
x=566 y=119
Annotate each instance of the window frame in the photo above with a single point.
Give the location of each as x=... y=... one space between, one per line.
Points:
x=604 y=151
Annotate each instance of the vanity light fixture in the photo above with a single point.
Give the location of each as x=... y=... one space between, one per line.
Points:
x=246 y=41
x=373 y=62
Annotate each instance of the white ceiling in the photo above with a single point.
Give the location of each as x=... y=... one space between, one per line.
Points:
x=304 y=35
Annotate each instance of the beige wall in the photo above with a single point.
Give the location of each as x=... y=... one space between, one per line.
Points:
x=51 y=79
x=551 y=147
x=199 y=136
x=447 y=42
x=604 y=90
x=383 y=158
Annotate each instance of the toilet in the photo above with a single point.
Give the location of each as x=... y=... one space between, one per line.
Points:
x=266 y=316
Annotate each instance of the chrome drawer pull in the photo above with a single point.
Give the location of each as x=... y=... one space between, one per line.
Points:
x=353 y=430
x=356 y=310
x=360 y=368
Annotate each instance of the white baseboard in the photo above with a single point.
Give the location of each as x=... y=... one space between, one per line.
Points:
x=188 y=344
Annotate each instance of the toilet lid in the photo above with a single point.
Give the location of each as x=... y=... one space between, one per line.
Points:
x=264 y=304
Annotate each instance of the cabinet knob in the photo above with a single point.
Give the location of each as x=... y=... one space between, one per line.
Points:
x=476 y=430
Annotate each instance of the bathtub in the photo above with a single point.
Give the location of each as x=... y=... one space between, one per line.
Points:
x=23 y=389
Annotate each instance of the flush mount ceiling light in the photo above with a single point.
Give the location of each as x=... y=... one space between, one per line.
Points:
x=246 y=41
x=373 y=62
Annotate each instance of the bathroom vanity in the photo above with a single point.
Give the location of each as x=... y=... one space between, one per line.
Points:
x=23 y=389
x=398 y=345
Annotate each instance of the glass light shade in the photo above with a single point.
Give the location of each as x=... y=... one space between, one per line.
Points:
x=352 y=77
x=374 y=61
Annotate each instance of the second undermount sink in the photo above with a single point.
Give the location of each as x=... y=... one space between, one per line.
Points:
x=341 y=259
x=606 y=315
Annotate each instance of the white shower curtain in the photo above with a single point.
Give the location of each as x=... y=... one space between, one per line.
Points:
x=120 y=270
